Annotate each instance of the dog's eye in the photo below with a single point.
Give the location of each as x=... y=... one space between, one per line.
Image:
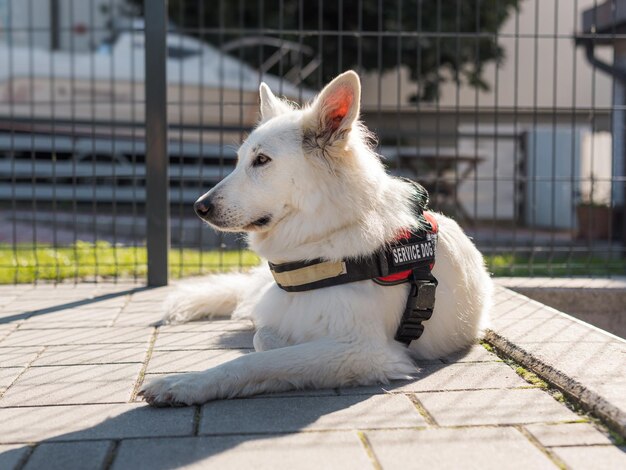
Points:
x=261 y=160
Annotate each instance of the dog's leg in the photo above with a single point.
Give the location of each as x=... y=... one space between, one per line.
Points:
x=266 y=339
x=217 y=296
x=319 y=364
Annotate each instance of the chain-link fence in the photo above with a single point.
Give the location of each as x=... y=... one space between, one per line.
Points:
x=511 y=113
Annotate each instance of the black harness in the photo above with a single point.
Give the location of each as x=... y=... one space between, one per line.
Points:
x=410 y=259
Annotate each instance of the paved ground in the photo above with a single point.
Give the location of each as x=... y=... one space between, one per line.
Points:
x=601 y=302
x=587 y=362
x=72 y=359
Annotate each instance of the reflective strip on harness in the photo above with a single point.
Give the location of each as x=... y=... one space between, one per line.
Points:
x=412 y=252
x=310 y=274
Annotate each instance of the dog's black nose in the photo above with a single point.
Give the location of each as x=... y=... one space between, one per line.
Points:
x=203 y=208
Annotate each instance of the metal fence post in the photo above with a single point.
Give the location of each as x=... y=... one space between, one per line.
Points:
x=157 y=183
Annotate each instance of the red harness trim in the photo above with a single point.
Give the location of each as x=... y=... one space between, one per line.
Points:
x=404 y=235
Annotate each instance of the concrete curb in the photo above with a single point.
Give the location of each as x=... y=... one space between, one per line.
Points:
x=601 y=302
x=588 y=399
x=585 y=362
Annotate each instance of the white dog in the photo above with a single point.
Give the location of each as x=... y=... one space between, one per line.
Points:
x=308 y=185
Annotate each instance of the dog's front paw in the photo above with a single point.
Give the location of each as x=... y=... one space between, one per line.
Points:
x=176 y=390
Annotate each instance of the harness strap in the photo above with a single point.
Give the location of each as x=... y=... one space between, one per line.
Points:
x=410 y=259
x=388 y=266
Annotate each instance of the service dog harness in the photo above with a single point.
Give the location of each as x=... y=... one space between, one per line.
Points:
x=410 y=258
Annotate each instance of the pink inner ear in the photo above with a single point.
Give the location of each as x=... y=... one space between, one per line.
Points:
x=337 y=105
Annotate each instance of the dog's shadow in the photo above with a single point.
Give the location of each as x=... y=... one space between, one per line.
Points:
x=168 y=438
x=147 y=437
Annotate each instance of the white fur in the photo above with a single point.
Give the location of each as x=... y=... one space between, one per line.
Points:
x=328 y=196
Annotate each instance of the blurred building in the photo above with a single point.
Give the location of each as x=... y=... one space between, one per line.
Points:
x=545 y=100
x=529 y=150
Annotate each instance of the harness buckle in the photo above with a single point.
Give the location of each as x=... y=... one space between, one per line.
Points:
x=419 y=308
x=425 y=298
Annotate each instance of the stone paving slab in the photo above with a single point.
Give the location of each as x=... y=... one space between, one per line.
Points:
x=61 y=325
x=90 y=354
x=320 y=392
x=586 y=362
x=202 y=340
x=78 y=373
x=94 y=344
x=212 y=326
x=163 y=362
x=84 y=455
x=36 y=307
x=588 y=457
x=480 y=448
x=154 y=295
x=18 y=356
x=41 y=304
x=570 y=434
x=444 y=377
x=6 y=330
x=552 y=331
x=88 y=422
x=72 y=319
x=53 y=385
x=261 y=415
x=75 y=311
x=7 y=298
x=476 y=353
x=515 y=311
x=8 y=376
x=494 y=407
x=137 y=308
x=12 y=455
x=575 y=357
x=73 y=336
x=312 y=450
x=68 y=394
x=137 y=319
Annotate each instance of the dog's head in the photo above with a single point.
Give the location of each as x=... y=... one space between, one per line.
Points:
x=275 y=173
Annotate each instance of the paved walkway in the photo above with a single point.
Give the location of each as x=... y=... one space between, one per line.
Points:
x=73 y=357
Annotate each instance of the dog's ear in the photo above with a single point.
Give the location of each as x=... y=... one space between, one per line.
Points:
x=337 y=108
x=271 y=106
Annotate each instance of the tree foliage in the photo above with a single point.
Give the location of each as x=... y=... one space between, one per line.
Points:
x=436 y=40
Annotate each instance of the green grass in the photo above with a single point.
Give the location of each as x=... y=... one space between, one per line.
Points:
x=85 y=260
x=557 y=266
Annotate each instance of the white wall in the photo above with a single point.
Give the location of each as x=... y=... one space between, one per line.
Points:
x=576 y=82
x=546 y=73
x=481 y=196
